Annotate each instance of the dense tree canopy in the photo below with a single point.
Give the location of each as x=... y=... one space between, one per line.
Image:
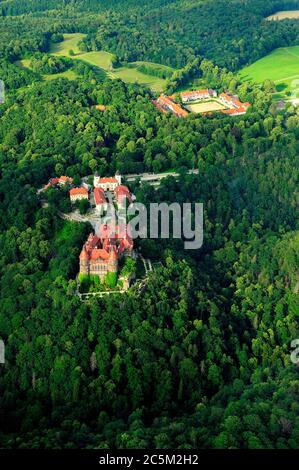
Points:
x=201 y=356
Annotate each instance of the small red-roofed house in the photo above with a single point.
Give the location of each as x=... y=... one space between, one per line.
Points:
x=167 y=104
x=100 y=199
x=122 y=194
x=64 y=180
x=61 y=181
x=197 y=95
x=77 y=194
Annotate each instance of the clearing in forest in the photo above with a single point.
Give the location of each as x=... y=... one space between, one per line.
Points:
x=103 y=60
x=281 y=66
x=69 y=43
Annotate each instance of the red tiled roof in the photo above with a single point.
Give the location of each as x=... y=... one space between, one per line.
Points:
x=84 y=254
x=76 y=191
x=172 y=106
x=226 y=96
x=186 y=94
x=108 y=180
x=108 y=244
x=122 y=189
x=240 y=110
x=121 y=192
x=99 y=253
x=113 y=255
x=99 y=196
x=65 y=179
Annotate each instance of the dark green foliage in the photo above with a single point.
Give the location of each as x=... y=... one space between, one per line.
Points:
x=231 y=33
x=15 y=77
x=201 y=356
x=46 y=64
x=111 y=280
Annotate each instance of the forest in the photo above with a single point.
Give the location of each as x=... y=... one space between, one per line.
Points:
x=200 y=358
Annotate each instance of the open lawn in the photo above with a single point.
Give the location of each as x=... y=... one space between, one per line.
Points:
x=282 y=15
x=100 y=59
x=24 y=63
x=103 y=61
x=70 y=43
x=281 y=66
x=205 y=106
x=69 y=74
x=132 y=75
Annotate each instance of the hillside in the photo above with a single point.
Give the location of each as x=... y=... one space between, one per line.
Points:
x=198 y=355
x=281 y=67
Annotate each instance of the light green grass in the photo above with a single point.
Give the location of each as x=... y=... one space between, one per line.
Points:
x=100 y=59
x=281 y=66
x=70 y=43
x=132 y=75
x=69 y=74
x=103 y=61
x=24 y=63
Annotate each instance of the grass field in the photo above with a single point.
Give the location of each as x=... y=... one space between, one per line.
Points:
x=132 y=75
x=100 y=59
x=103 y=61
x=281 y=66
x=69 y=74
x=70 y=43
x=24 y=63
x=205 y=106
x=282 y=15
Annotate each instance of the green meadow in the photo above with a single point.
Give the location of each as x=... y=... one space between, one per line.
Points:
x=281 y=66
x=103 y=60
x=70 y=42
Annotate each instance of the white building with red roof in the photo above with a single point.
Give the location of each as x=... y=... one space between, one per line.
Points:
x=197 y=95
x=77 y=194
x=122 y=195
x=167 y=104
x=100 y=199
x=237 y=108
x=107 y=183
x=58 y=181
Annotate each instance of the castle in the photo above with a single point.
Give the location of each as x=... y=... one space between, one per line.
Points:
x=102 y=251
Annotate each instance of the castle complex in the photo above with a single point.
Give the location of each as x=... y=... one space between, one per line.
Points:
x=231 y=103
x=102 y=251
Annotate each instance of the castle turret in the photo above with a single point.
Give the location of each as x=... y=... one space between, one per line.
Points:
x=118 y=177
x=84 y=262
x=113 y=262
x=96 y=180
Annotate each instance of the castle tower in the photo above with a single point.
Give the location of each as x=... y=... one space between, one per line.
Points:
x=113 y=262
x=96 y=180
x=84 y=262
x=118 y=177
